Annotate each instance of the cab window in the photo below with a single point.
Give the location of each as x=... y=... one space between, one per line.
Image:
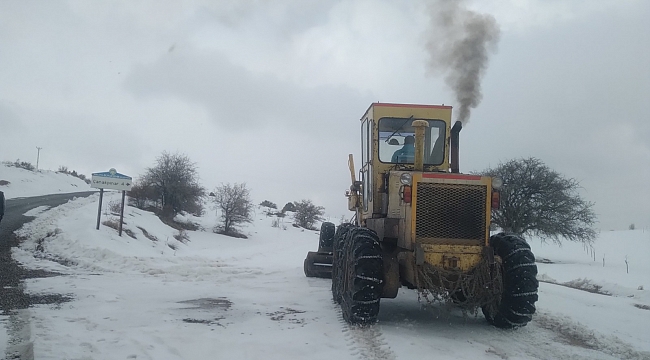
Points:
x=397 y=141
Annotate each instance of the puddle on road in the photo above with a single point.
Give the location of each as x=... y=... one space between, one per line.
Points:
x=208 y=303
x=207 y=311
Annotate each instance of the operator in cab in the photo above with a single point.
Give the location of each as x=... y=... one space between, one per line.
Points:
x=407 y=153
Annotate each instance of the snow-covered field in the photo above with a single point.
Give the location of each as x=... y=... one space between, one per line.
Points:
x=216 y=297
x=23 y=183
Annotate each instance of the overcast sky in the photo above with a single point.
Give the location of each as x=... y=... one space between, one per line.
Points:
x=270 y=92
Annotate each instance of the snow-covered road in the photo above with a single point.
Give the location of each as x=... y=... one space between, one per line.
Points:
x=216 y=297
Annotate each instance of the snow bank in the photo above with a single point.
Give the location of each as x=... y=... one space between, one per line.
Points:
x=24 y=183
x=600 y=266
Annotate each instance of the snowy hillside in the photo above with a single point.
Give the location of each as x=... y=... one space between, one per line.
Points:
x=150 y=296
x=16 y=182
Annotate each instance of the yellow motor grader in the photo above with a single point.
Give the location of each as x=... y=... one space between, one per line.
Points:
x=422 y=224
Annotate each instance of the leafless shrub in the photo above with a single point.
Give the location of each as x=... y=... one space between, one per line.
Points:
x=130 y=233
x=538 y=201
x=21 y=165
x=4 y=182
x=115 y=207
x=142 y=196
x=269 y=204
x=307 y=214
x=642 y=306
x=235 y=205
x=175 y=182
x=64 y=170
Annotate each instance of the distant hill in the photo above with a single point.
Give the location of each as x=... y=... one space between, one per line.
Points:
x=17 y=182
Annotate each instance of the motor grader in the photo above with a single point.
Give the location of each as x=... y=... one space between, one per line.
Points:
x=422 y=224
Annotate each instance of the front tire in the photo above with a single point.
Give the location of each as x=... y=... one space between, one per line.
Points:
x=326 y=237
x=363 y=277
x=516 y=305
x=338 y=270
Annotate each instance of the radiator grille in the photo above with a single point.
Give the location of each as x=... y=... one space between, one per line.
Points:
x=446 y=213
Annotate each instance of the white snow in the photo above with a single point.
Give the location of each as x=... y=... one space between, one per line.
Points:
x=23 y=183
x=217 y=297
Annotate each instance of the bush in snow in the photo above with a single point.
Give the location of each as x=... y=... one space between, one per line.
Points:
x=235 y=205
x=268 y=204
x=115 y=207
x=174 y=180
x=64 y=170
x=142 y=196
x=307 y=213
x=21 y=165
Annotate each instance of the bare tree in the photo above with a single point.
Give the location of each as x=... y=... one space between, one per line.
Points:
x=235 y=205
x=536 y=200
x=175 y=181
x=307 y=213
x=142 y=196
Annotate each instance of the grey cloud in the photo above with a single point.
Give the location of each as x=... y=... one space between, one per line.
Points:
x=237 y=98
x=9 y=121
x=288 y=16
x=574 y=96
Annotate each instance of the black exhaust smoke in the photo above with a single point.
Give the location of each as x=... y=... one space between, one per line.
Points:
x=459 y=46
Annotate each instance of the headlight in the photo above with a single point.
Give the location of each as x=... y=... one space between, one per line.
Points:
x=406 y=179
x=497 y=183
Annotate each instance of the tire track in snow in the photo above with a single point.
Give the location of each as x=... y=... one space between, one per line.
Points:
x=576 y=334
x=20 y=345
x=365 y=342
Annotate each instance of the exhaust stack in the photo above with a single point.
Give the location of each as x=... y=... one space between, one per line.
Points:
x=455 y=130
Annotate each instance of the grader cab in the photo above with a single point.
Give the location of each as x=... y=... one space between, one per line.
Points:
x=422 y=224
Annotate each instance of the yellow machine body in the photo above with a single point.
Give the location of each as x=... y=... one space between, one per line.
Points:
x=438 y=217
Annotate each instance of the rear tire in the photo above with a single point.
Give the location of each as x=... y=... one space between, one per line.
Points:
x=363 y=277
x=516 y=305
x=326 y=237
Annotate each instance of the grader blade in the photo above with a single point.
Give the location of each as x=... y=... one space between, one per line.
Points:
x=318 y=265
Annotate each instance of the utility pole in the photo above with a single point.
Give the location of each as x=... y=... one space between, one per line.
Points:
x=38 y=156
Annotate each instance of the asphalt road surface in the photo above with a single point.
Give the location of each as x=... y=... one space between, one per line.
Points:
x=12 y=296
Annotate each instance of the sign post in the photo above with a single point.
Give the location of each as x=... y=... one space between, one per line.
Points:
x=115 y=181
x=99 y=210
